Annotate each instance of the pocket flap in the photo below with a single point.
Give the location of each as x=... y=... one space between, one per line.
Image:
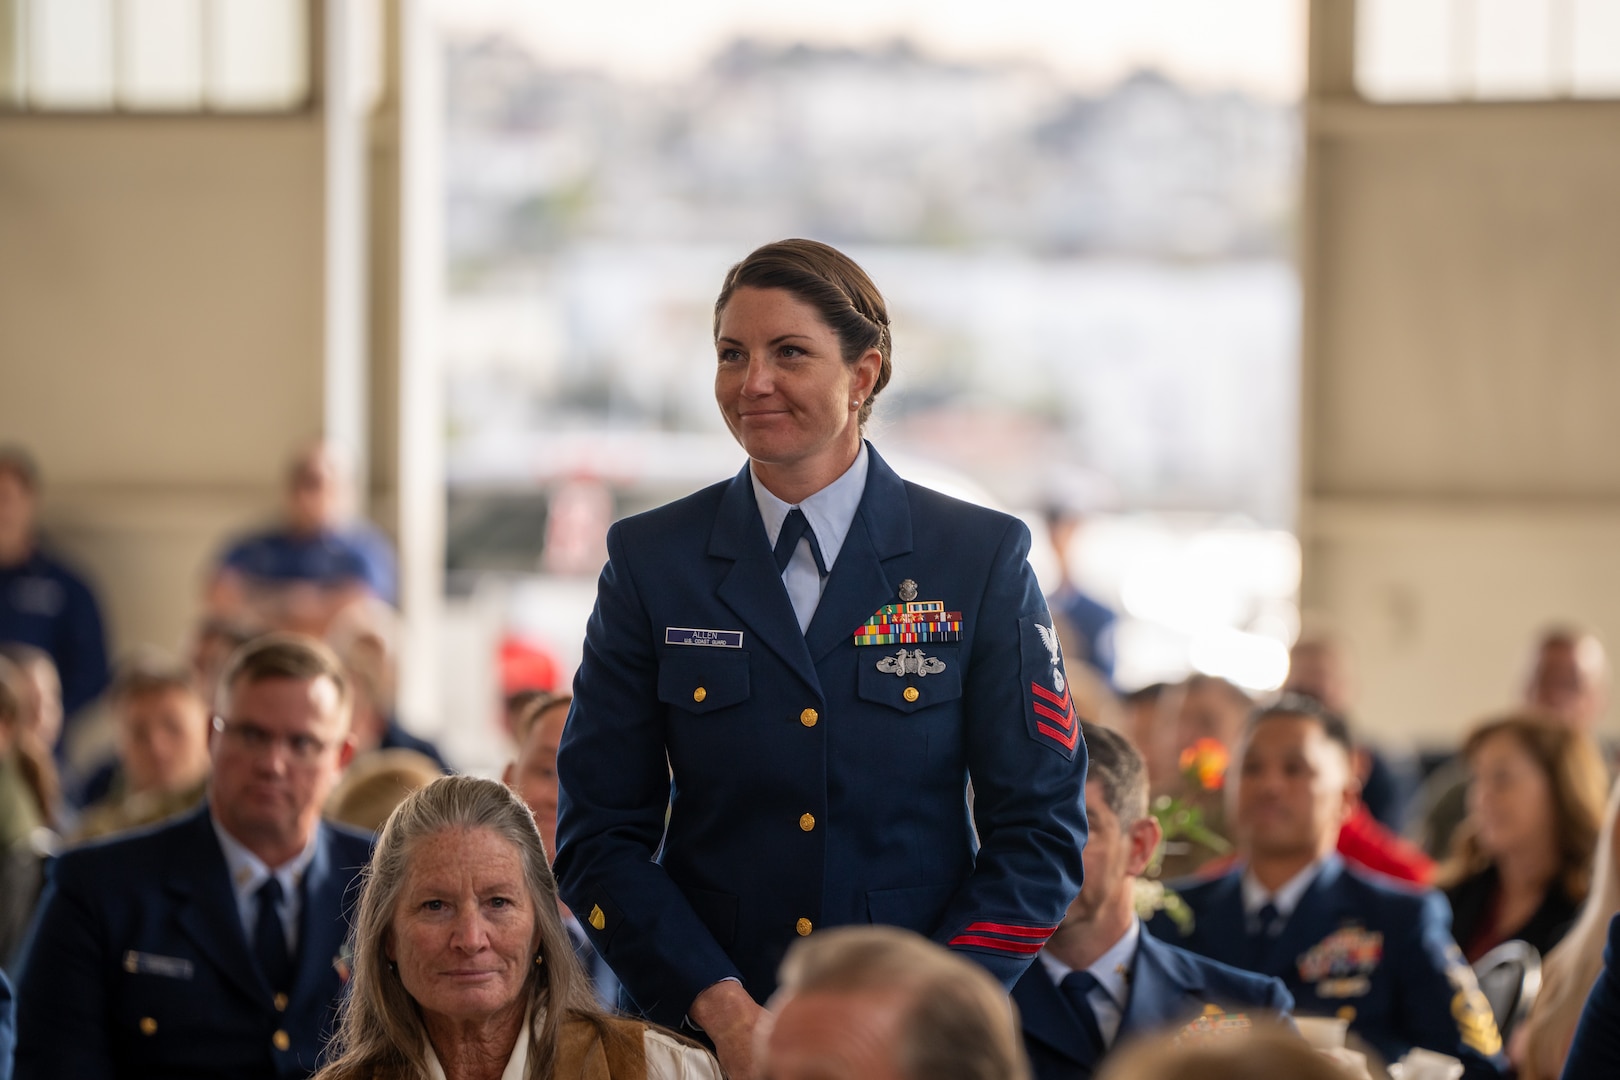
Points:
x=703 y=680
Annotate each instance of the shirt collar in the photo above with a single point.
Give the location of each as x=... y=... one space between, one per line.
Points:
x=1285 y=898
x=1112 y=969
x=830 y=511
x=248 y=871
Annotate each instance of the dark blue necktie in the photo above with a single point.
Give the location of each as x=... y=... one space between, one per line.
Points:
x=1077 y=987
x=787 y=541
x=1270 y=920
x=270 y=939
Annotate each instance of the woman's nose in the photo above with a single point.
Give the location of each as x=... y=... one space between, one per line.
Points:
x=469 y=933
x=758 y=382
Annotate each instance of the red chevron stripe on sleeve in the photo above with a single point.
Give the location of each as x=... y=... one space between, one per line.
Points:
x=1067 y=733
x=1030 y=938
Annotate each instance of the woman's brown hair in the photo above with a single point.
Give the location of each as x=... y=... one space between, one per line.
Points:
x=1579 y=786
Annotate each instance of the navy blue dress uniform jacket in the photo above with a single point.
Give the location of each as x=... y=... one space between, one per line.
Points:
x=1169 y=987
x=139 y=965
x=805 y=785
x=1361 y=946
x=1595 y=1053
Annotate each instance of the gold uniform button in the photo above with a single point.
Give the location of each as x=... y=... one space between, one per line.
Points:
x=911 y=694
x=280 y=1040
x=148 y=1026
x=597 y=919
x=809 y=717
x=807 y=822
x=804 y=927
x=699 y=694
x=281 y=1003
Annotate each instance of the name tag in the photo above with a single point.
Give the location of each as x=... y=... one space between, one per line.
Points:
x=714 y=639
x=170 y=967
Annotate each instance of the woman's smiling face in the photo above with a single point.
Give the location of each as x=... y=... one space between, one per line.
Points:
x=783 y=386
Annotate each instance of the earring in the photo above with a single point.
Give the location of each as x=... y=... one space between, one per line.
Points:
x=856 y=404
x=539 y=959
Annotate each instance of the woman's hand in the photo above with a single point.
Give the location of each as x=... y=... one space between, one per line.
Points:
x=729 y=1016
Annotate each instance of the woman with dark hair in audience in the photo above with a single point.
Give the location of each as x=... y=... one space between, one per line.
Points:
x=1522 y=863
x=462 y=969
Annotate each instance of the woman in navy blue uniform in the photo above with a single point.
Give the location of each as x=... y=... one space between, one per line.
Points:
x=789 y=679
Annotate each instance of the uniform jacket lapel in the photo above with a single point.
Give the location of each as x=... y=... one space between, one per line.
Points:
x=753 y=586
x=321 y=925
x=1047 y=1018
x=1161 y=986
x=205 y=904
x=1316 y=916
x=858 y=585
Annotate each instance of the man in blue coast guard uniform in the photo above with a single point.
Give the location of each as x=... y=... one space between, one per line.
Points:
x=1102 y=978
x=213 y=946
x=1347 y=943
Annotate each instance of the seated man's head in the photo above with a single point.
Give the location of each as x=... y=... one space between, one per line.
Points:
x=1295 y=786
x=19 y=499
x=533 y=772
x=41 y=690
x=317 y=488
x=162 y=726
x=1209 y=707
x=1122 y=835
x=1569 y=677
x=281 y=740
x=881 y=1003
x=1319 y=665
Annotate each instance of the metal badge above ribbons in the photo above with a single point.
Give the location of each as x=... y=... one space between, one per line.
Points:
x=911 y=622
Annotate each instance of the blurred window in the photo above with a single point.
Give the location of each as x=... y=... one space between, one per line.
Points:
x=145 y=56
x=1487 y=50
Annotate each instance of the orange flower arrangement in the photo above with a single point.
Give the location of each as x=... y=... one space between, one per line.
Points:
x=1204 y=764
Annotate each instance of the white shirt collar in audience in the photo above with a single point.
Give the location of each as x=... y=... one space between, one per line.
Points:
x=248 y=873
x=1287 y=897
x=830 y=511
x=1112 y=971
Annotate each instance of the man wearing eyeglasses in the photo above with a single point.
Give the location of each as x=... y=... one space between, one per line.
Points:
x=212 y=946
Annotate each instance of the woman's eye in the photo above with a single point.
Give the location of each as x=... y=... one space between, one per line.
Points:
x=729 y=356
x=500 y=902
x=433 y=905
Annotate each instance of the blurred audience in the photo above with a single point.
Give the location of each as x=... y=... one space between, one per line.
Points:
x=213 y=642
x=1102 y=979
x=161 y=726
x=1521 y=863
x=365 y=635
x=1143 y=724
x=26 y=802
x=213 y=945
x=1319 y=665
x=1568 y=684
x=532 y=773
x=1345 y=942
x=44 y=602
x=1541 y=1042
x=1084 y=624
x=299 y=573
x=377 y=782
x=1205 y=720
x=881 y=1003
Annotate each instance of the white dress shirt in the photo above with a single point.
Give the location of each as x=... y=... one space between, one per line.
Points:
x=1285 y=898
x=1112 y=971
x=830 y=512
x=248 y=873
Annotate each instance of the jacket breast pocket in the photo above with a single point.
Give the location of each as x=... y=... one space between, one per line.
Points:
x=908 y=680
x=703 y=680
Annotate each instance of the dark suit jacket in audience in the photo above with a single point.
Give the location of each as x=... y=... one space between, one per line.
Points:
x=139 y=965
x=1595 y=1053
x=1473 y=900
x=1361 y=946
x=1168 y=987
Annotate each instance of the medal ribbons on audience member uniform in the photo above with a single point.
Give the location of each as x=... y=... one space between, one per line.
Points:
x=1340 y=965
x=1215 y=1023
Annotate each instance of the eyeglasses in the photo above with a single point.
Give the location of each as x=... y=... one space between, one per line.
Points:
x=257 y=740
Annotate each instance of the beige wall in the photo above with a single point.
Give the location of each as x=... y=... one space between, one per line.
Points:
x=1462 y=370
x=160 y=336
